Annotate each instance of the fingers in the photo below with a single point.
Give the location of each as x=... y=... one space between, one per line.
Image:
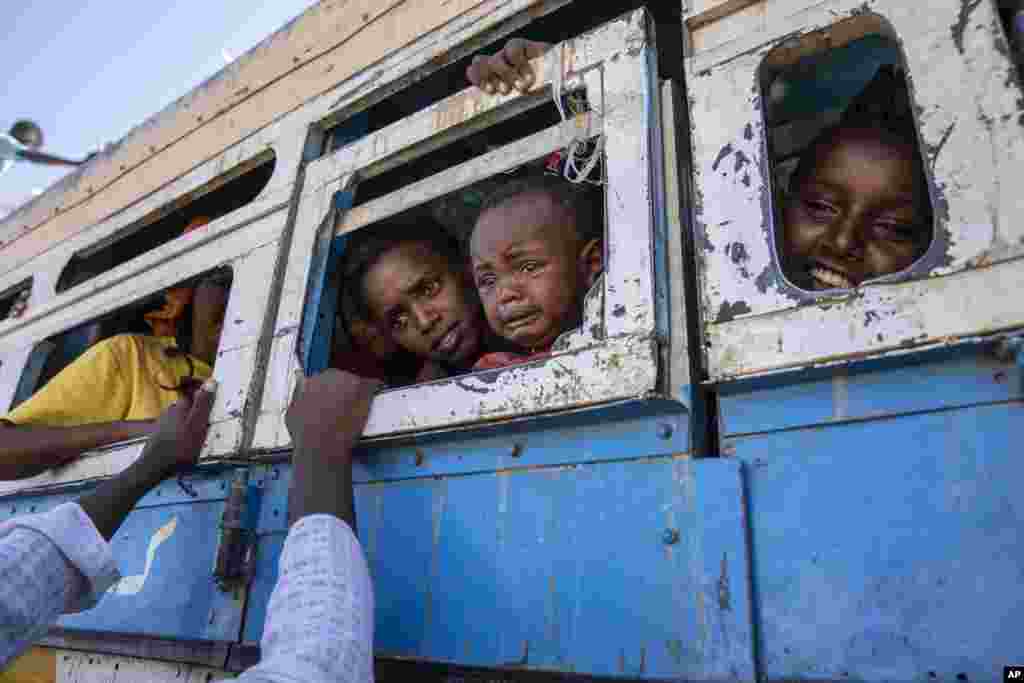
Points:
x=507 y=70
x=505 y=74
x=476 y=75
x=202 y=401
x=518 y=54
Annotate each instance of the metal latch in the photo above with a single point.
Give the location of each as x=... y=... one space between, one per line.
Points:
x=1010 y=349
x=236 y=555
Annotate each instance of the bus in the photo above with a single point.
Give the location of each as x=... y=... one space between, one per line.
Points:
x=723 y=474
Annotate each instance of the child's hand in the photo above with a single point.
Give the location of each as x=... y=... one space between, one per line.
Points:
x=507 y=70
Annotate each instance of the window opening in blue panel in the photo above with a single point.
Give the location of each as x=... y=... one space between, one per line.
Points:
x=14 y=301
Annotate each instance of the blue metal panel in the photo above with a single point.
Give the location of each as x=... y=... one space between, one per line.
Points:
x=174 y=595
x=557 y=568
x=965 y=377
x=890 y=549
x=630 y=430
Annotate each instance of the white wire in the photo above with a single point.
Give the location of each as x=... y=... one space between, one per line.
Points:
x=577 y=148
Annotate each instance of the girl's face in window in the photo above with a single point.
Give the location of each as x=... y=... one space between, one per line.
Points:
x=859 y=213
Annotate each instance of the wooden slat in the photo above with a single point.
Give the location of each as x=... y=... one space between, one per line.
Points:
x=707 y=11
x=36 y=665
x=242 y=99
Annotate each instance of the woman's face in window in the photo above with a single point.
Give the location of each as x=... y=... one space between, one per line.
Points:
x=428 y=306
x=858 y=212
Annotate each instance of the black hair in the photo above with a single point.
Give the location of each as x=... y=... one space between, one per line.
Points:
x=27 y=133
x=579 y=200
x=367 y=247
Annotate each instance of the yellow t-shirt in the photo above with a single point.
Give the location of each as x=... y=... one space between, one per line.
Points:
x=117 y=379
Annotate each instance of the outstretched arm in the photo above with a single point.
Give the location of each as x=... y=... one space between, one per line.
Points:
x=28 y=450
x=320 y=618
x=60 y=561
x=38 y=157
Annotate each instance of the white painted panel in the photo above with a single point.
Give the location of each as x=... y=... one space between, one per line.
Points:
x=972 y=144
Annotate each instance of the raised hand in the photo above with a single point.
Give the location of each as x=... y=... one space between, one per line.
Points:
x=508 y=69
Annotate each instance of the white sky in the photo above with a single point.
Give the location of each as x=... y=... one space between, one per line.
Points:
x=88 y=71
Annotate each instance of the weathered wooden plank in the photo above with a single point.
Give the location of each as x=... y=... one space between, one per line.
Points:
x=76 y=667
x=36 y=665
x=174 y=141
x=703 y=12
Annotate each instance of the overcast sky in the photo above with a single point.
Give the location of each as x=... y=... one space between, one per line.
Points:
x=90 y=70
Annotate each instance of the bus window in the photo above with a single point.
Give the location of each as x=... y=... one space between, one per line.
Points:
x=471 y=154
x=552 y=26
x=176 y=333
x=217 y=198
x=1011 y=12
x=14 y=302
x=446 y=241
x=851 y=195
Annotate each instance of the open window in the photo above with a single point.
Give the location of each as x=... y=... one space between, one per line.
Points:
x=771 y=107
x=170 y=314
x=848 y=182
x=14 y=301
x=1011 y=13
x=439 y=162
x=219 y=197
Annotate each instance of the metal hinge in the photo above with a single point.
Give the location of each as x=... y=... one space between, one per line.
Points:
x=1010 y=349
x=235 y=563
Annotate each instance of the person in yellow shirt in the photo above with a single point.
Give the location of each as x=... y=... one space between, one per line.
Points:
x=117 y=388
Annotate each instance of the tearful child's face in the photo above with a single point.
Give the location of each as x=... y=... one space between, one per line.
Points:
x=858 y=214
x=532 y=270
x=428 y=307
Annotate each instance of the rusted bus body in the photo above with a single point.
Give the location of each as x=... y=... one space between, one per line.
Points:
x=719 y=476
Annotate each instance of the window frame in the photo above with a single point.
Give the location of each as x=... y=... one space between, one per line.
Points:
x=753 y=321
x=614 y=64
x=247 y=240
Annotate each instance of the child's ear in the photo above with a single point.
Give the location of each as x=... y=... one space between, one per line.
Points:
x=591 y=261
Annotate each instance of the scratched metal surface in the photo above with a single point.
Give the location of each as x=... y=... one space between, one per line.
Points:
x=611 y=64
x=545 y=549
x=937 y=381
x=754 y=320
x=165 y=551
x=887 y=543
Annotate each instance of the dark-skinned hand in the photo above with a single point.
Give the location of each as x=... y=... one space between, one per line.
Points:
x=508 y=69
x=329 y=411
x=179 y=433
